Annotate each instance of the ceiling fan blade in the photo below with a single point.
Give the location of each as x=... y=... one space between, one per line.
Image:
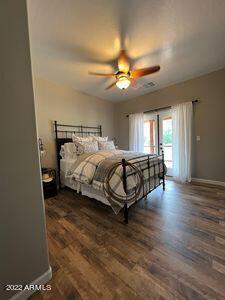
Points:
x=111 y=85
x=144 y=71
x=123 y=62
x=101 y=74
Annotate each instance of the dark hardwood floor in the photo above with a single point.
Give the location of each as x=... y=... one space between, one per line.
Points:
x=172 y=248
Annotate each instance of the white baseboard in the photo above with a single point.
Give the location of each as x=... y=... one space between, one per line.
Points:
x=207 y=181
x=43 y=279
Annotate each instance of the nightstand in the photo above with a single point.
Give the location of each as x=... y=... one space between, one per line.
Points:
x=49 y=182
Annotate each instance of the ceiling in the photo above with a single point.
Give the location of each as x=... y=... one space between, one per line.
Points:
x=71 y=37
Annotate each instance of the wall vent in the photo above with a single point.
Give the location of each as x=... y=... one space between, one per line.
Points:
x=148 y=85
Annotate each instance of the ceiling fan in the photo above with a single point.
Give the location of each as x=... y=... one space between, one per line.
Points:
x=124 y=76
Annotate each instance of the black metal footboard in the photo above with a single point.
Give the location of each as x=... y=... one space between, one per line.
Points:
x=152 y=179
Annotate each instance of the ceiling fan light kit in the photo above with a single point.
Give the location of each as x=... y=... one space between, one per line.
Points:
x=123 y=82
x=124 y=75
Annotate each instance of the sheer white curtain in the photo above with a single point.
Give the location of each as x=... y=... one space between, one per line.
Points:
x=136 y=132
x=182 y=139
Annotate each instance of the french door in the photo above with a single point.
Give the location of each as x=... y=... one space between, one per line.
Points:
x=158 y=130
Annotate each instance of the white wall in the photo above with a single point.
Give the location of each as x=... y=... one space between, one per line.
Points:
x=23 y=250
x=58 y=102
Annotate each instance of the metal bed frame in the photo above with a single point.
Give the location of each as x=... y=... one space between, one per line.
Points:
x=161 y=176
x=63 y=134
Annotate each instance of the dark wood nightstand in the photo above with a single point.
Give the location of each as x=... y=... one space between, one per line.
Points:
x=49 y=182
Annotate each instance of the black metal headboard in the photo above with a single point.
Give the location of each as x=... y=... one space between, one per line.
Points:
x=63 y=134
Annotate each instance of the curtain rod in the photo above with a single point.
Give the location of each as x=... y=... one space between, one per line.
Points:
x=162 y=108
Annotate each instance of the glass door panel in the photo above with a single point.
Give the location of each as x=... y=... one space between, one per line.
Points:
x=165 y=123
x=158 y=130
x=150 y=139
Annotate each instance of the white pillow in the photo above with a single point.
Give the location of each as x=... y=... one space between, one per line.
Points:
x=86 y=147
x=99 y=138
x=109 y=145
x=77 y=138
x=69 y=151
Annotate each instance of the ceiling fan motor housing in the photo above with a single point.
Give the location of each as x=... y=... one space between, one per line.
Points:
x=122 y=75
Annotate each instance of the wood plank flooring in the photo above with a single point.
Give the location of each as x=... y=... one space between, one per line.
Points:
x=172 y=248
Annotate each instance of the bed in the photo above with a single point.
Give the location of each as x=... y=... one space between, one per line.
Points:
x=115 y=177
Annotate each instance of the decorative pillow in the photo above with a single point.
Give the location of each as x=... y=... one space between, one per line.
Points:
x=109 y=145
x=86 y=147
x=77 y=138
x=69 y=151
x=62 y=151
x=99 y=138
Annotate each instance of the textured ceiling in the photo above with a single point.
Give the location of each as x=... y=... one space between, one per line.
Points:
x=70 y=37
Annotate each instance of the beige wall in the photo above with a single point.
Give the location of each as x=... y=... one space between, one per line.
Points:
x=57 y=102
x=209 y=119
x=23 y=250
